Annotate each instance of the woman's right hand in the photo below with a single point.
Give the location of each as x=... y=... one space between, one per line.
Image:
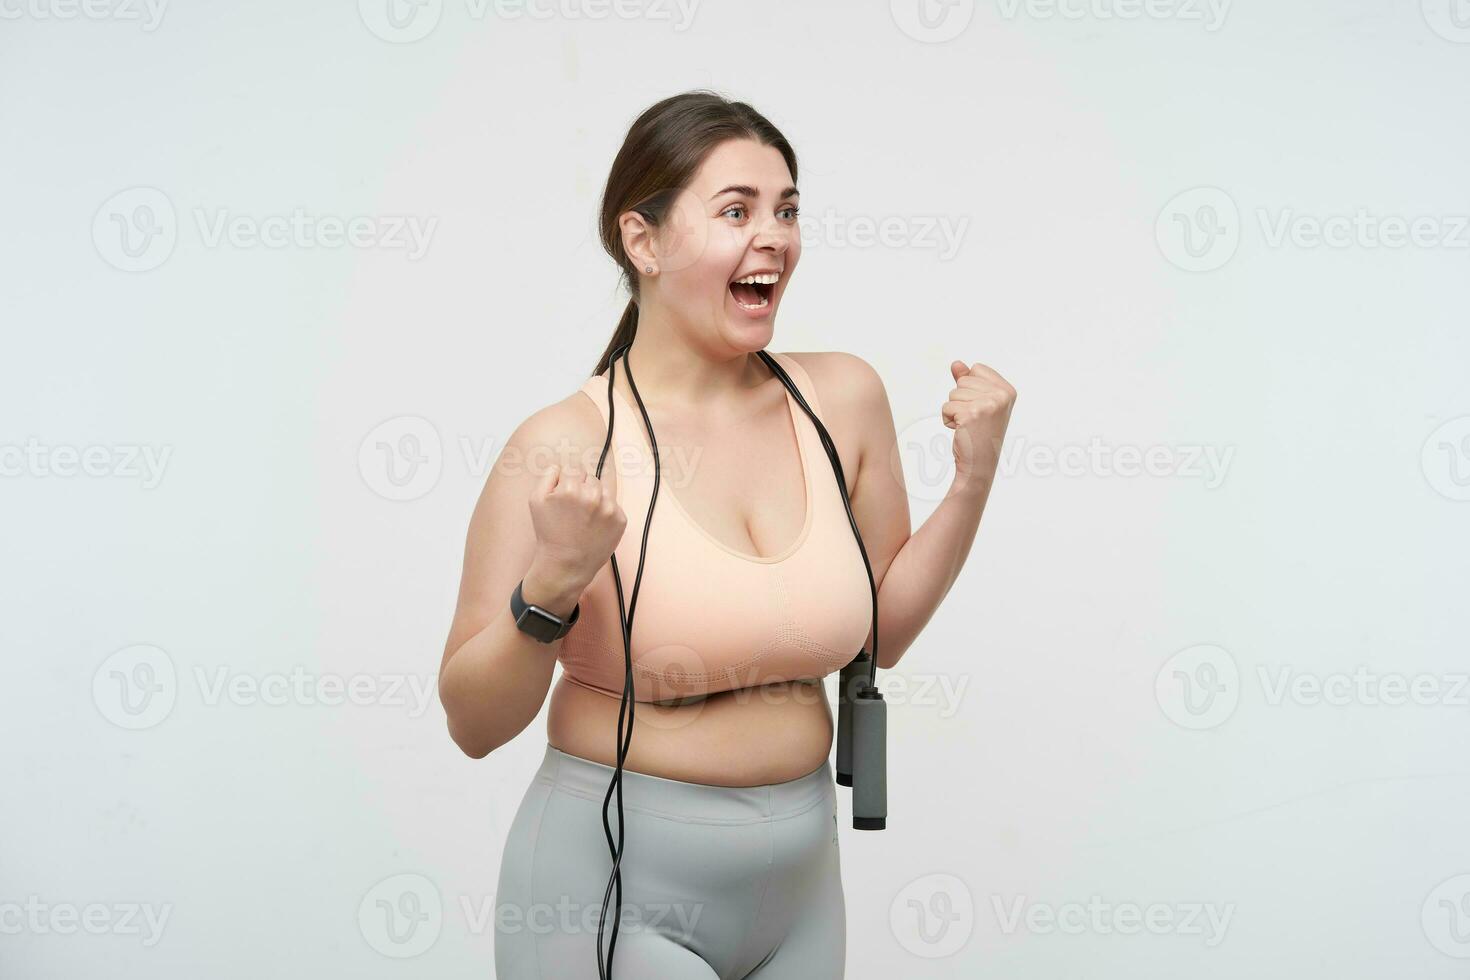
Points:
x=578 y=523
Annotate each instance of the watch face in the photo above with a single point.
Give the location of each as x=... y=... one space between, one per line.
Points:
x=539 y=624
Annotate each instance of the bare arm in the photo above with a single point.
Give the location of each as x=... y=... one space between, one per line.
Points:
x=493 y=678
x=915 y=571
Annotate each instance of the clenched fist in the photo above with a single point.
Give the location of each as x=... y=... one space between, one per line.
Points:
x=978 y=410
x=578 y=521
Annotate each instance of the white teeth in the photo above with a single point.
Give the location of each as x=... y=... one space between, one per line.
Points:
x=759 y=306
x=767 y=279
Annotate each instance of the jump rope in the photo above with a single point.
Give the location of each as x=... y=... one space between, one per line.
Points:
x=862 y=719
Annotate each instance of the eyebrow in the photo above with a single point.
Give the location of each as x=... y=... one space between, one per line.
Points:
x=748 y=191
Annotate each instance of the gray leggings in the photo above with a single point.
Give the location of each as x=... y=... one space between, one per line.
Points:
x=727 y=882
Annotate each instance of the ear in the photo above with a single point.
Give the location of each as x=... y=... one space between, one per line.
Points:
x=638 y=239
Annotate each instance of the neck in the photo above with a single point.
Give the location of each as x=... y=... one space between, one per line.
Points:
x=675 y=369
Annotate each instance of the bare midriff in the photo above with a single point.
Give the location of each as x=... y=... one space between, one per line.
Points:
x=747 y=737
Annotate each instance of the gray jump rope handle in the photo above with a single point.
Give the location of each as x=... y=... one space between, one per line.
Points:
x=869 y=760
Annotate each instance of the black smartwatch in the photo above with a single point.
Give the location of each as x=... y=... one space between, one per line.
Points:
x=545 y=626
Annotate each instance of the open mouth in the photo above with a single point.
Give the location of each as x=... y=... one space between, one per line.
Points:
x=754 y=292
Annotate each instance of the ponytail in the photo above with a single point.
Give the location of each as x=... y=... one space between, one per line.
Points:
x=624 y=334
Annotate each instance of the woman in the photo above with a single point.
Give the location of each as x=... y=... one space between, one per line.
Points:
x=752 y=589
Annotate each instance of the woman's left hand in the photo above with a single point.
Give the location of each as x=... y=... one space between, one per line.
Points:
x=978 y=410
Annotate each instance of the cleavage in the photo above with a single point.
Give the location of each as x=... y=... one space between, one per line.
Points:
x=749 y=466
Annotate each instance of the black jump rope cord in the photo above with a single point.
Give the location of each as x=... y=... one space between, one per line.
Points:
x=625 y=616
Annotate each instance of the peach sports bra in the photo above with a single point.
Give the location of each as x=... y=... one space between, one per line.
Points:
x=710 y=618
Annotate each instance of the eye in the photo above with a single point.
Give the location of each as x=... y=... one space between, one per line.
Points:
x=791 y=208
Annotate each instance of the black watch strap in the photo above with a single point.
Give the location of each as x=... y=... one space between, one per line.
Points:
x=545 y=626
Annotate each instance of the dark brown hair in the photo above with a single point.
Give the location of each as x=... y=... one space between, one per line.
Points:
x=659 y=156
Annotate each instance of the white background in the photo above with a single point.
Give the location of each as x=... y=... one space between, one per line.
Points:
x=1115 y=733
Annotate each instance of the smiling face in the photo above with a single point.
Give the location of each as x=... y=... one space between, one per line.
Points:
x=731 y=244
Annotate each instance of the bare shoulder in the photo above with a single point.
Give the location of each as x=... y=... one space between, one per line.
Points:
x=843 y=380
x=568 y=432
x=573 y=416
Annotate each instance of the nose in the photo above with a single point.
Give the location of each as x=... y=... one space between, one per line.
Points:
x=773 y=237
